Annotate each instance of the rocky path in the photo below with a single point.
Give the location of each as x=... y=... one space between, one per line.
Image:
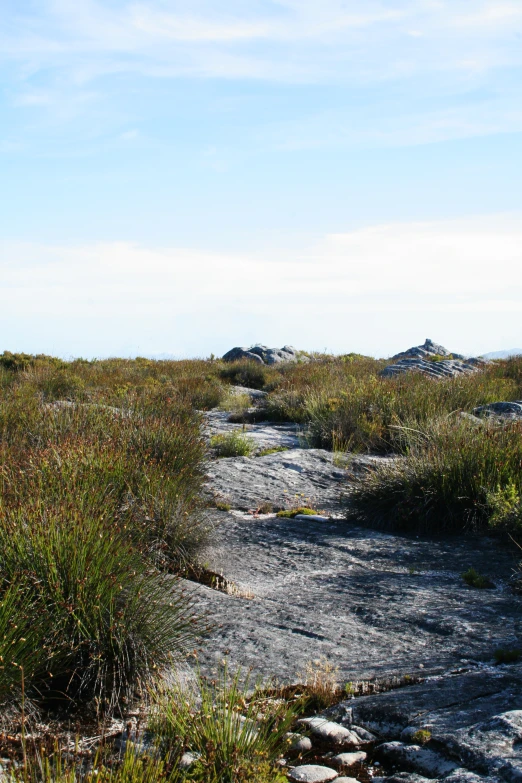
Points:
x=373 y=604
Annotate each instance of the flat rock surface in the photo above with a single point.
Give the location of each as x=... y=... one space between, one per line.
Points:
x=372 y=603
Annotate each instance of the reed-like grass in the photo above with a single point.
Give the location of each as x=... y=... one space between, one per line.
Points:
x=458 y=476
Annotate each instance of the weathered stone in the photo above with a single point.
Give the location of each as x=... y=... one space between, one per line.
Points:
x=311 y=518
x=429 y=348
x=330 y=732
x=346 y=780
x=298 y=477
x=414 y=758
x=188 y=759
x=299 y=743
x=264 y=355
x=420 y=359
x=505 y=410
x=237 y=354
x=493 y=747
x=264 y=436
x=312 y=773
x=348 y=759
x=465 y=776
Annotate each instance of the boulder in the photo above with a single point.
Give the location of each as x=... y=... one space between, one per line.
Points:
x=264 y=355
x=426 y=360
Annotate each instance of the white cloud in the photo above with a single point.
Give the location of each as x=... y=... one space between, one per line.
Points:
x=422 y=274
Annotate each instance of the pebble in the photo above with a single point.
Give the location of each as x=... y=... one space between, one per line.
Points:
x=312 y=773
x=346 y=780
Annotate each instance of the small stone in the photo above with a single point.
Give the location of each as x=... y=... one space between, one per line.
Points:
x=311 y=518
x=348 y=759
x=331 y=732
x=312 y=773
x=299 y=743
x=187 y=760
x=346 y=780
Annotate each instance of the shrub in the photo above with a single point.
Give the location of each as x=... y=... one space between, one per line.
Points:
x=474 y=579
x=446 y=481
x=232 y=444
x=235 y=731
x=105 y=621
x=244 y=373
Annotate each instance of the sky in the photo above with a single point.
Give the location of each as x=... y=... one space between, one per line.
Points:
x=180 y=178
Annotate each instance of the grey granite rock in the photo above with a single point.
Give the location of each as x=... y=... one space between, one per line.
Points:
x=505 y=410
x=299 y=743
x=344 y=779
x=414 y=758
x=284 y=479
x=265 y=355
x=420 y=359
x=312 y=773
x=348 y=759
x=331 y=733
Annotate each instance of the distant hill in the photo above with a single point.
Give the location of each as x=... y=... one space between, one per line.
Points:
x=503 y=354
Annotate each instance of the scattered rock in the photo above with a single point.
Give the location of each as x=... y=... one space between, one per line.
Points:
x=349 y=759
x=311 y=518
x=346 y=780
x=330 y=732
x=299 y=743
x=264 y=355
x=312 y=773
x=504 y=410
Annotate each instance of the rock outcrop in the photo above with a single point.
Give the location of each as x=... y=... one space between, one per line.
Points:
x=264 y=355
x=432 y=360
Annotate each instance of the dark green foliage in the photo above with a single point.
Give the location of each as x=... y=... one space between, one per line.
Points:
x=449 y=481
x=507 y=656
x=476 y=580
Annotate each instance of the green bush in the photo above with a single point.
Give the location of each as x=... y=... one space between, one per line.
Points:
x=476 y=580
x=104 y=620
x=232 y=444
x=246 y=373
x=446 y=483
x=234 y=730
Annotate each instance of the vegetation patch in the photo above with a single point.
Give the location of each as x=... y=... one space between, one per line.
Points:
x=456 y=477
x=507 y=655
x=476 y=580
x=293 y=512
x=232 y=444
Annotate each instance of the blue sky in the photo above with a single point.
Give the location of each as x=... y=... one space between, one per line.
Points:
x=183 y=177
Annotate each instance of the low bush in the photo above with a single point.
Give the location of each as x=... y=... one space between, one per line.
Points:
x=246 y=373
x=476 y=580
x=232 y=444
x=450 y=480
x=235 y=732
x=93 y=619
